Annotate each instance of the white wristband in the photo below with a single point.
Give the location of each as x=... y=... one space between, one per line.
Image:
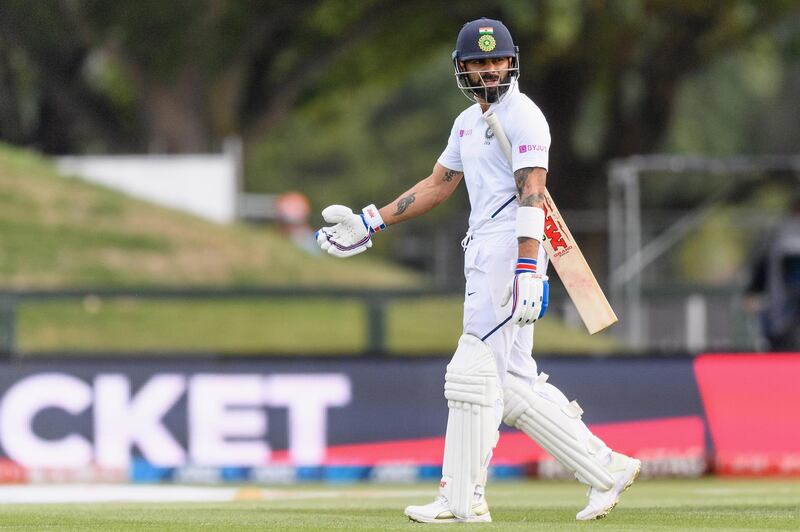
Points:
x=530 y=223
x=373 y=218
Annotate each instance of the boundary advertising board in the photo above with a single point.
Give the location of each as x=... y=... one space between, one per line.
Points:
x=273 y=419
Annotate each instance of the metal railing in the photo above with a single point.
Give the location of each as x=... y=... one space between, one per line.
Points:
x=692 y=318
x=375 y=303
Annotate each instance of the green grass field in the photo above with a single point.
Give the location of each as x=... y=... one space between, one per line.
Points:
x=705 y=504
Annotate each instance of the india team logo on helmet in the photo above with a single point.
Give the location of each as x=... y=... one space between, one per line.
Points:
x=487 y=43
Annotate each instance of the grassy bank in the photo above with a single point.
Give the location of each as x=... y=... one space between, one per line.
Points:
x=57 y=231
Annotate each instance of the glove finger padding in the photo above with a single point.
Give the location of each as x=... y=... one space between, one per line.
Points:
x=344 y=253
x=545 y=297
x=531 y=297
x=515 y=292
x=534 y=302
x=507 y=294
x=334 y=214
x=322 y=238
x=525 y=293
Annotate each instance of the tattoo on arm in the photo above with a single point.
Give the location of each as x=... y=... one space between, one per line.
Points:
x=403 y=204
x=531 y=199
x=450 y=174
x=521 y=179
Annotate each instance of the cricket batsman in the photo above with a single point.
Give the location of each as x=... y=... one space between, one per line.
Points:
x=492 y=376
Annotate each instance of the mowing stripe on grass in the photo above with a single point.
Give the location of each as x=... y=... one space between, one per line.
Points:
x=101 y=493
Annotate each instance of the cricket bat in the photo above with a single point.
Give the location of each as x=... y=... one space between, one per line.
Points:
x=566 y=256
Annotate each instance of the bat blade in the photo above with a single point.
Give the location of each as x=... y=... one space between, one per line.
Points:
x=574 y=272
x=567 y=258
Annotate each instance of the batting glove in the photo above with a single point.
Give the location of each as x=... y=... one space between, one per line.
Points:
x=352 y=233
x=529 y=292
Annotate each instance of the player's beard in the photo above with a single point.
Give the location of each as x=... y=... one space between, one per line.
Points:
x=492 y=93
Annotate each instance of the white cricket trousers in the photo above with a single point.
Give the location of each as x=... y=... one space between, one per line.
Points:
x=489 y=262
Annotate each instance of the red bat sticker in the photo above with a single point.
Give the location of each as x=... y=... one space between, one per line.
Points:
x=554 y=233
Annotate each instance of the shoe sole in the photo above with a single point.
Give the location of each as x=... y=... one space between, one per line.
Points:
x=627 y=485
x=485 y=518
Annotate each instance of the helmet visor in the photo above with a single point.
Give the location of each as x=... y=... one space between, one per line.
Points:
x=488 y=84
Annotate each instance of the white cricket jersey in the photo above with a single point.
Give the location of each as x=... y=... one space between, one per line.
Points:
x=472 y=149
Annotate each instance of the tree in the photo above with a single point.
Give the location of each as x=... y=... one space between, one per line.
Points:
x=176 y=76
x=614 y=69
x=179 y=76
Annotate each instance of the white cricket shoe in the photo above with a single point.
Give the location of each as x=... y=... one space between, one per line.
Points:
x=624 y=469
x=439 y=512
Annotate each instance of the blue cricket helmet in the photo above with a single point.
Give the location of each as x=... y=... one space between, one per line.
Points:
x=484 y=38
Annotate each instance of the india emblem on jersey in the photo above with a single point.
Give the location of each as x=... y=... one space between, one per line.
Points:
x=488 y=135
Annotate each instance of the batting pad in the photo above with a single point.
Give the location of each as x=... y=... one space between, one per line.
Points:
x=543 y=413
x=472 y=391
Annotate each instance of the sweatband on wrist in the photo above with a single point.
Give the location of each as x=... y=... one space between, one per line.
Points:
x=373 y=218
x=525 y=266
x=530 y=223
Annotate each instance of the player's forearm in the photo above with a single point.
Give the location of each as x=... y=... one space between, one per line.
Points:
x=422 y=197
x=412 y=203
x=528 y=248
x=530 y=187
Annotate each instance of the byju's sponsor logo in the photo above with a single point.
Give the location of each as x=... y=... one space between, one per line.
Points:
x=525 y=148
x=464 y=132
